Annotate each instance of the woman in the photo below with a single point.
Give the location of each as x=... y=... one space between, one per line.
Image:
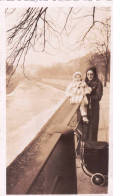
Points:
x=93 y=99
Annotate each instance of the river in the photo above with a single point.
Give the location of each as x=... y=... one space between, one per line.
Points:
x=29 y=107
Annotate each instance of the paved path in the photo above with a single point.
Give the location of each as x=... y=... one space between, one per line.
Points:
x=84 y=185
x=103 y=134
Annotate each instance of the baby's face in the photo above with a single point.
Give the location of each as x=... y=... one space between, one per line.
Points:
x=77 y=78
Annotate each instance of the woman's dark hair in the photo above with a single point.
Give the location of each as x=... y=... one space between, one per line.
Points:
x=94 y=70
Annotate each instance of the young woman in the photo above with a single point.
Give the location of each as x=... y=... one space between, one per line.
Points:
x=93 y=99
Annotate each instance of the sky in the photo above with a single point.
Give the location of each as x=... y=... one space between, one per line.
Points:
x=64 y=49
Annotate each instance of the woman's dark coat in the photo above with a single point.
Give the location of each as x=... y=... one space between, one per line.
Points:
x=93 y=106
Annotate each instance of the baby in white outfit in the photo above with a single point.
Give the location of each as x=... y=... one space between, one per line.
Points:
x=77 y=91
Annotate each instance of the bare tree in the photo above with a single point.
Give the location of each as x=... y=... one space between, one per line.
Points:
x=101 y=47
x=36 y=28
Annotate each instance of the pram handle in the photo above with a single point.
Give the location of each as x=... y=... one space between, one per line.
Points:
x=86 y=172
x=78 y=133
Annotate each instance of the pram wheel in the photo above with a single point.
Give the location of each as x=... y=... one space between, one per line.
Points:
x=98 y=179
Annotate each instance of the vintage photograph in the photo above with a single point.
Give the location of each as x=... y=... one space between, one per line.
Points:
x=57 y=100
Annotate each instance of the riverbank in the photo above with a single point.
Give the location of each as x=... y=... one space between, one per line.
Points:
x=29 y=107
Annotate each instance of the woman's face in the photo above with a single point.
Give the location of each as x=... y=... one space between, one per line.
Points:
x=90 y=75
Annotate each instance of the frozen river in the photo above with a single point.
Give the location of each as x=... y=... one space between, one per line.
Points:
x=29 y=107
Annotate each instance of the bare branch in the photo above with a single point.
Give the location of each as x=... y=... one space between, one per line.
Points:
x=92 y=25
x=67 y=19
x=36 y=30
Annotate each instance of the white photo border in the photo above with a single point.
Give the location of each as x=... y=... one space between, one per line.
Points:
x=50 y=3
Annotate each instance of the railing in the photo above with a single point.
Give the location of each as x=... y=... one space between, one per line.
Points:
x=47 y=165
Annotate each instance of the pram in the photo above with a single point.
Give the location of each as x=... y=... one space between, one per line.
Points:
x=94 y=158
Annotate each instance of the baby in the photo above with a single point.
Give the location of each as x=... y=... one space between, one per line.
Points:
x=77 y=91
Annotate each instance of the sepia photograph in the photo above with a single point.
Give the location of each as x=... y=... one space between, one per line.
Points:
x=58 y=62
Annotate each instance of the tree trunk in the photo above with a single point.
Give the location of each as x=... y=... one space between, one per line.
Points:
x=105 y=76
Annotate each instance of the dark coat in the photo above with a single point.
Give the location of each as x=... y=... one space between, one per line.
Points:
x=93 y=107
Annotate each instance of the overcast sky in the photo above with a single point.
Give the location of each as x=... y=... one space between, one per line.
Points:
x=75 y=29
